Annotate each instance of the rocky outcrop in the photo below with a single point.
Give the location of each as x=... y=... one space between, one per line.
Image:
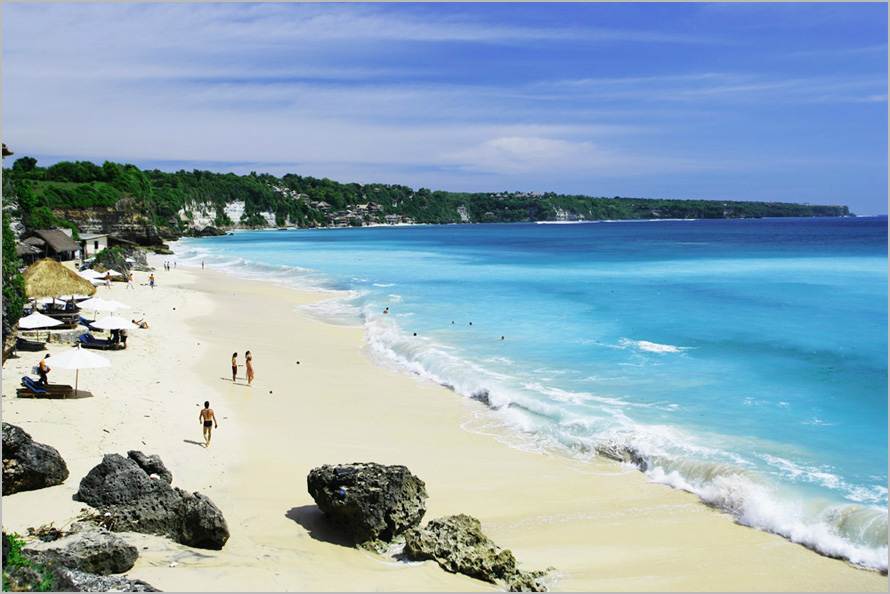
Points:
x=25 y=569
x=28 y=465
x=133 y=491
x=121 y=220
x=371 y=503
x=458 y=545
x=98 y=552
x=208 y=231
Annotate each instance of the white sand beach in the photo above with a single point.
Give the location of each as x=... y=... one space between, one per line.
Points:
x=317 y=400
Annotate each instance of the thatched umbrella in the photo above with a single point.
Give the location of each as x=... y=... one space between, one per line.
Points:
x=48 y=278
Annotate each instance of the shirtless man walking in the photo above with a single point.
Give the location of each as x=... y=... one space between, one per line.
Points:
x=208 y=419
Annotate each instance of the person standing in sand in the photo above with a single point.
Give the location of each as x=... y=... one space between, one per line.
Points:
x=208 y=419
x=151 y=281
x=130 y=281
x=43 y=369
x=234 y=366
x=248 y=358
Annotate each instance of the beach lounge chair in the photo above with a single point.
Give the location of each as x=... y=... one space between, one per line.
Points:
x=23 y=344
x=89 y=341
x=33 y=388
x=85 y=322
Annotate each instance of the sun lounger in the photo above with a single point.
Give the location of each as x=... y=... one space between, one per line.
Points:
x=23 y=344
x=89 y=341
x=32 y=388
x=85 y=322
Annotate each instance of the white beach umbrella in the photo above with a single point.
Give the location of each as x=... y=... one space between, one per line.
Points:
x=90 y=274
x=114 y=323
x=53 y=300
x=77 y=359
x=114 y=272
x=99 y=304
x=38 y=320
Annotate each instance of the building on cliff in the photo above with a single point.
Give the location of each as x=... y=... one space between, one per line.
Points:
x=55 y=243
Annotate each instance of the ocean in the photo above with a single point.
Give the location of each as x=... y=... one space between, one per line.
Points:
x=744 y=361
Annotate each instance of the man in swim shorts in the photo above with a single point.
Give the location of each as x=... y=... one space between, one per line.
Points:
x=208 y=419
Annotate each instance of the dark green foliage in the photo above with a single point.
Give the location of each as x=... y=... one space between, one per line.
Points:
x=19 y=574
x=13 y=282
x=297 y=200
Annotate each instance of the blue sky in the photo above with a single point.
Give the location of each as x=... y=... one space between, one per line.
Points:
x=747 y=101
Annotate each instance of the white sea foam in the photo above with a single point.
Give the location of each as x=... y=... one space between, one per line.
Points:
x=651 y=347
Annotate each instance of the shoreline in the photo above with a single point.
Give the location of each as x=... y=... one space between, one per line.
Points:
x=602 y=526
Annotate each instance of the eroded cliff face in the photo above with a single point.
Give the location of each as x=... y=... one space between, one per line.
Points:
x=121 y=220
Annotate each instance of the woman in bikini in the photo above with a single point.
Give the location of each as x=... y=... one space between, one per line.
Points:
x=234 y=366
x=208 y=419
x=249 y=358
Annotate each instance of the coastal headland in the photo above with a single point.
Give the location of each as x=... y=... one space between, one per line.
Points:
x=317 y=400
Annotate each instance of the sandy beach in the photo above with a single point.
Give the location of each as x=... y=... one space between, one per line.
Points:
x=318 y=400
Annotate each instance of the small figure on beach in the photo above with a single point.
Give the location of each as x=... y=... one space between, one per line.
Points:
x=123 y=336
x=202 y=264
x=386 y=311
x=43 y=368
x=130 y=281
x=248 y=358
x=151 y=281
x=208 y=419
x=234 y=366
x=107 y=279
x=141 y=323
x=115 y=337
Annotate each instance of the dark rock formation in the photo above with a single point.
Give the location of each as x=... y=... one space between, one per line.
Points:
x=122 y=487
x=208 y=231
x=369 y=502
x=151 y=465
x=28 y=465
x=99 y=552
x=458 y=545
x=122 y=220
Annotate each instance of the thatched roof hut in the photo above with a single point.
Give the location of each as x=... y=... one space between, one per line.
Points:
x=58 y=243
x=48 y=278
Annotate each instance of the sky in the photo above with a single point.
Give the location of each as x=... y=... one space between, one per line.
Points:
x=725 y=101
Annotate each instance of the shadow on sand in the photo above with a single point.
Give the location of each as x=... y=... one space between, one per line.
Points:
x=312 y=519
x=197 y=443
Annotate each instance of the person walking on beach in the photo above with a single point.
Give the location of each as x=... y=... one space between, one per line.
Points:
x=249 y=365
x=234 y=366
x=43 y=368
x=130 y=281
x=151 y=281
x=208 y=419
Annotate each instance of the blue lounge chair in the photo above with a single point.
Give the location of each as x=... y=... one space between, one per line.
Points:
x=33 y=388
x=85 y=322
x=89 y=341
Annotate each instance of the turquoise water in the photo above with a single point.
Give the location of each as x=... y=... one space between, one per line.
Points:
x=744 y=361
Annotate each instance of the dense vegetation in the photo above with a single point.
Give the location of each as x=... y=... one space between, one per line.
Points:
x=292 y=199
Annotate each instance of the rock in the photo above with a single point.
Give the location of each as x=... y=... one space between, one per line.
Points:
x=369 y=502
x=458 y=545
x=151 y=465
x=138 y=503
x=74 y=580
x=28 y=465
x=97 y=552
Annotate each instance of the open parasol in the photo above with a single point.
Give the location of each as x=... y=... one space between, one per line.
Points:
x=48 y=278
x=78 y=359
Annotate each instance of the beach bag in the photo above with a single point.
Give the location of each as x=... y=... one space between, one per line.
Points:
x=35 y=370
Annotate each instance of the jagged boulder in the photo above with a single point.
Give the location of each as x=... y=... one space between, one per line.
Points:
x=370 y=502
x=151 y=465
x=458 y=545
x=139 y=503
x=98 y=552
x=28 y=465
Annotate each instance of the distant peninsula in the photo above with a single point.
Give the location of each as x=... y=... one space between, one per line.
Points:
x=148 y=207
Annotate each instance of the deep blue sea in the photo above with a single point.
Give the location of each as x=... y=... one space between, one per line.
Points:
x=742 y=360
